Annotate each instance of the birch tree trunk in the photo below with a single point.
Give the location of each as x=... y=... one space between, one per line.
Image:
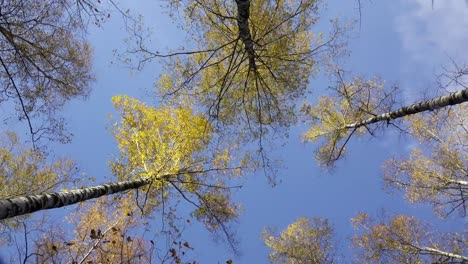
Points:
x=434 y=251
x=243 y=13
x=28 y=204
x=429 y=105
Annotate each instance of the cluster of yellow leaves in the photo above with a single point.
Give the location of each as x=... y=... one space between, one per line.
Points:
x=170 y=146
x=302 y=242
x=401 y=239
x=217 y=209
x=437 y=170
x=355 y=101
x=387 y=243
x=328 y=125
x=104 y=233
x=26 y=172
x=157 y=142
x=222 y=79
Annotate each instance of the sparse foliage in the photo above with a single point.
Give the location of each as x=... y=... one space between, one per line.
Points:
x=305 y=241
x=360 y=107
x=437 y=169
x=104 y=233
x=403 y=239
x=333 y=116
x=45 y=62
x=165 y=153
x=251 y=62
x=238 y=82
x=24 y=171
x=171 y=146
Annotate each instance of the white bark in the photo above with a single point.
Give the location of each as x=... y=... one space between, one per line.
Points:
x=459 y=182
x=435 y=251
x=28 y=204
x=429 y=105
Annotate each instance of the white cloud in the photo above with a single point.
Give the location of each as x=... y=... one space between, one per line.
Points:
x=440 y=31
x=431 y=36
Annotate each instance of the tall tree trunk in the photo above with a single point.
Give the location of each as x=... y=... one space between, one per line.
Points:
x=243 y=13
x=429 y=105
x=32 y=203
x=434 y=251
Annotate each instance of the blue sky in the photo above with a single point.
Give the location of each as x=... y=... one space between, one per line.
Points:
x=404 y=42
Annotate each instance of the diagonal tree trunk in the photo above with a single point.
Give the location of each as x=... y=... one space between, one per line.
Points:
x=434 y=251
x=429 y=105
x=243 y=13
x=32 y=203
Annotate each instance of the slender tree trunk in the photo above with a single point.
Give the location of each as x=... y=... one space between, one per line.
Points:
x=435 y=251
x=32 y=203
x=429 y=105
x=459 y=182
x=243 y=13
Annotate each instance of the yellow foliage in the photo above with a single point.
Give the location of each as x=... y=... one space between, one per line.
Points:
x=305 y=241
x=170 y=145
x=26 y=172
x=437 y=171
x=104 y=233
x=45 y=62
x=332 y=118
x=157 y=142
x=401 y=239
x=222 y=79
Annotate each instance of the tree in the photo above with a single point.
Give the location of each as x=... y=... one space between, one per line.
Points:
x=304 y=241
x=400 y=239
x=164 y=151
x=438 y=177
x=176 y=148
x=403 y=239
x=252 y=60
x=45 y=62
x=20 y=205
x=25 y=171
x=356 y=106
x=103 y=234
x=436 y=171
x=111 y=230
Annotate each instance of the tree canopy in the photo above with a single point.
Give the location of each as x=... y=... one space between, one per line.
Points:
x=45 y=62
x=436 y=171
x=403 y=239
x=181 y=150
x=246 y=69
x=304 y=241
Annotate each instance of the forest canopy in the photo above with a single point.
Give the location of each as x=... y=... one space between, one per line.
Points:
x=248 y=139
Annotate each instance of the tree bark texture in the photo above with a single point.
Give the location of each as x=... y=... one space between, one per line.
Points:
x=435 y=251
x=28 y=204
x=429 y=105
x=243 y=13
